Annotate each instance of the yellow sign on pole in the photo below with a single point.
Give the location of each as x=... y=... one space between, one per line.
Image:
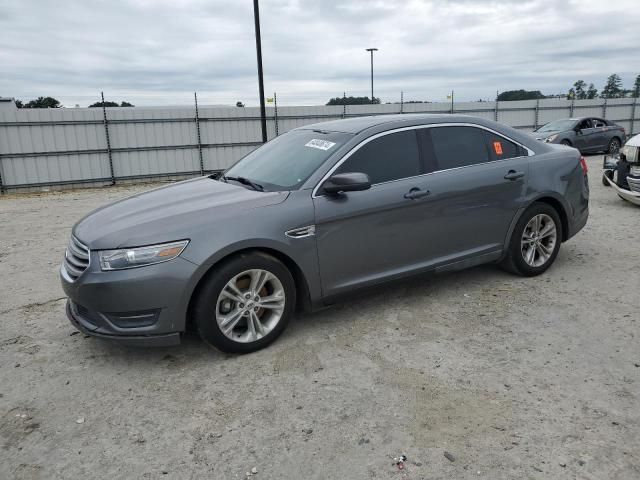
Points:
x=269 y=99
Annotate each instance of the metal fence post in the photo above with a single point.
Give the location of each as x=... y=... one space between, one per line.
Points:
x=2 y=184
x=344 y=104
x=275 y=110
x=537 y=114
x=195 y=98
x=633 y=118
x=572 y=107
x=604 y=108
x=401 y=102
x=106 y=133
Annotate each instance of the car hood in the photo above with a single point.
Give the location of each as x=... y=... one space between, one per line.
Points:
x=174 y=212
x=543 y=135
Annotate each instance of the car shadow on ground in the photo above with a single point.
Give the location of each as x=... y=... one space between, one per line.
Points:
x=405 y=293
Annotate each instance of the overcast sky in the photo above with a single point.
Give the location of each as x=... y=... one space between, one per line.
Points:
x=157 y=52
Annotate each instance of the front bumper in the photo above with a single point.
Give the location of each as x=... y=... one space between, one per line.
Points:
x=139 y=306
x=88 y=328
x=628 y=195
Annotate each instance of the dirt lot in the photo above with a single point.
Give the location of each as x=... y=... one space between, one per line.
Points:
x=516 y=378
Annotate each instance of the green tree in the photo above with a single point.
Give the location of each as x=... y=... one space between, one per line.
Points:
x=592 y=91
x=352 y=101
x=106 y=104
x=126 y=104
x=636 y=88
x=239 y=104
x=40 y=102
x=511 y=95
x=578 y=91
x=613 y=87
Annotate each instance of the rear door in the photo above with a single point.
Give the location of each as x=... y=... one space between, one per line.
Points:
x=602 y=133
x=478 y=184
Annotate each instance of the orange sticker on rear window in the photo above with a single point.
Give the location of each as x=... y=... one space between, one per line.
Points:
x=497 y=146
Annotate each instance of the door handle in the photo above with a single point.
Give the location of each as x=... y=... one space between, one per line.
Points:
x=513 y=175
x=416 y=193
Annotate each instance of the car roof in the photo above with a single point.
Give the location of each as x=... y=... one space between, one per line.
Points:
x=358 y=124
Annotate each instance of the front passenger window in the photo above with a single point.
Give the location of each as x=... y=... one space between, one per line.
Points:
x=389 y=157
x=585 y=124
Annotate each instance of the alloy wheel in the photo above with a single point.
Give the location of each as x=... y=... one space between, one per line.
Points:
x=250 y=305
x=614 y=146
x=538 y=240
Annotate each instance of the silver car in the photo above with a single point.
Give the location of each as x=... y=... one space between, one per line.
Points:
x=587 y=134
x=312 y=216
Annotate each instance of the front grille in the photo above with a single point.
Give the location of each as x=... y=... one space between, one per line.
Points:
x=76 y=258
x=634 y=184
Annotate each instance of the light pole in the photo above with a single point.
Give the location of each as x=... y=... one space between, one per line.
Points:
x=372 y=50
x=263 y=112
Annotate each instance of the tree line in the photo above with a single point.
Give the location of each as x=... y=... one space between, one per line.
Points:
x=50 y=102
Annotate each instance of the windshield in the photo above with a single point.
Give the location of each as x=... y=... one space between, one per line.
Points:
x=287 y=161
x=557 y=126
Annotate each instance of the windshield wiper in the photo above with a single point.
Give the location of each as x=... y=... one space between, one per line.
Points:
x=245 y=181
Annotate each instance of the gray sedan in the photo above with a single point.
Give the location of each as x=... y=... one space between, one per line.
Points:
x=587 y=134
x=314 y=215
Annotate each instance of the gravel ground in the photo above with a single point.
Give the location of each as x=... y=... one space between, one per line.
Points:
x=513 y=377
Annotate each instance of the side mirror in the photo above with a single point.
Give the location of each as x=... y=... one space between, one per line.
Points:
x=347 y=182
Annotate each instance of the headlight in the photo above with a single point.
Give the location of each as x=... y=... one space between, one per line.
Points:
x=140 y=256
x=551 y=138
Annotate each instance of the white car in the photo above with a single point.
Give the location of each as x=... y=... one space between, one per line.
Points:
x=623 y=171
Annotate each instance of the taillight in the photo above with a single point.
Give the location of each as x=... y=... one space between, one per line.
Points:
x=583 y=164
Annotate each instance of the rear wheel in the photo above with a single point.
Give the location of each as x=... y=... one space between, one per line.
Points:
x=245 y=304
x=614 y=146
x=535 y=241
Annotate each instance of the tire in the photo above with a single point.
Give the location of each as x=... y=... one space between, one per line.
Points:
x=212 y=307
x=604 y=179
x=547 y=246
x=614 y=146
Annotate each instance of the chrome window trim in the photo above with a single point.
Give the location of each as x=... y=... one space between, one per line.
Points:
x=326 y=176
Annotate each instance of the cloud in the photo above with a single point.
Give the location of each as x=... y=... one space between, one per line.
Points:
x=157 y=52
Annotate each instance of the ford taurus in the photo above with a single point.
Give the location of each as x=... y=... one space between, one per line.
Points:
x=312 y=216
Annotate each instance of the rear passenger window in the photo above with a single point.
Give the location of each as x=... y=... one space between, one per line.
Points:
x=502 y=148
x=458 y=146
x=386 y=158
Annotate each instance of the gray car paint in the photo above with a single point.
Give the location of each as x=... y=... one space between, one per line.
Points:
x=587 y=140
x=362 y=238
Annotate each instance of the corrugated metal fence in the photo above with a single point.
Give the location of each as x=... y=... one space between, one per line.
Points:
x=95 y=146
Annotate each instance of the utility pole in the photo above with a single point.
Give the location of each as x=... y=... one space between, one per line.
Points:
x=371 y=50
x=263 y=110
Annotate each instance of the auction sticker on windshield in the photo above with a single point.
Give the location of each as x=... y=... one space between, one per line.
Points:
x=321 y=144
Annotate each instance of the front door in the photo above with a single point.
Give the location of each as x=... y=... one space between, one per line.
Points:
x=586 y=137
x=366 y=236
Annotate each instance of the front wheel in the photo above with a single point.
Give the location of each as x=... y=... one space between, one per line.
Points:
x=535 y=241
x=245 y=303
x=606 y=174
